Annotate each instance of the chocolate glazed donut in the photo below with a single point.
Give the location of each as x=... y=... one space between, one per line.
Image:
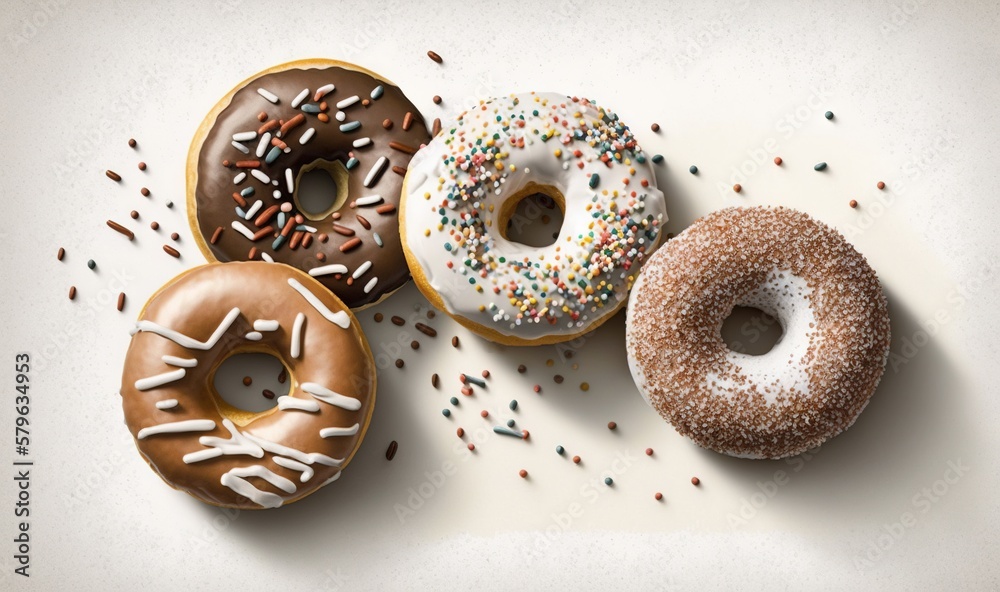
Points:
x=250 y=154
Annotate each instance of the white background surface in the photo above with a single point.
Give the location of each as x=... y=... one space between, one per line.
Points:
x=914 y=86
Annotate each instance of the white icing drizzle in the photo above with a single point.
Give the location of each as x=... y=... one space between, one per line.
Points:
x=295 y=465
x=243 y=487
x=254 y=336
x=362 y=269
x=286 y=403
x=331 y=398
x=266 y=474
x=265 y=325
x=189 y=342
x=237 y=443
x=304 y=457
x=174 y=427
x=339 y=318
x=331 y=432
x=368 y=200
x=332 y=479
x=166 y=404
x=296 y=347
x=179 y=362
x=371 y=284
x=328 y=269
x=242 y=229
x=151 y=382
x=299 y=98
x=375 y=171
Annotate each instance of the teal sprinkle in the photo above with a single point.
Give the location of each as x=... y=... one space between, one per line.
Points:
x=693 y=170
x=507 y=432
x=247 y=192
x=377 y=91
x=272 y=154
x=594 y=180
x=446 y=412
x=281 y=219
x=513 y=404
x=278 y=242
x=560 y=450
x=640 y=158
x=301 y=227
x=474 y=380
x=350 y=126
x=828 y=115
x=510 y=423
x=378 y=239
x=447 y=246
x=472 y=280
x=351 y=163
x=310 y=108
x=819 y=166
x=453 y=400
x=91 y=263
x=657 y=158
x=241 y=213
x=535 y=112
x=609 y=481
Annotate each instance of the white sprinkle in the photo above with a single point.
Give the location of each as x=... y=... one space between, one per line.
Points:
x=257 y=205
x=328 y=269
x=239 y=178
x=151 y=382
x=341 y=116
x=289 y=181
x=325 y=90
x=331 y=398
x=296 y=347
x=241 y=148
x=378 y=239
x=299 y=98
x=166 y=404
x=266 y=257
x=371 y=284
x=376 y=170
x=329 y=432
x=377 y=92
x=244 y=136
x=265 y=325
x=368 y=200
x=362 y=269
x=179 y=362
x=188 y=425
x=265 y=140
x=270 y=96
x=254 y=336
x=362 y=142
x=285 y=403
x=306 y=227
x=347 y=102
x=339 y=318
x=242 y=229
x=307 y=135
x=276 y=194
x=260 y=176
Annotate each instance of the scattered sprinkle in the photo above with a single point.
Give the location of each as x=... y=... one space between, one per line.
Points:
x=558 y=378
x=695 y=481
x=113 y=175
x=454 y=341
x=576 y=460
x=560 y=450
x=612 y=425
x=378 y=317
x=584 y=386
x=819 y=166
x=390 y=452
x=655 y=127
x=649 y=452
x=657 y=158
x=435 y=380
x=121 y=301
x=658 y=496
x=693 y=170
x=268 y=394
x=737 y=188
x=484 y=413
x=521 y=368
x=437 y=99
x=400 y=363
x=447 y=413
x=131 y=142
x=91 y=263
x=434 y=56
x=828 y=115
x=134 y=215
x=853 y=203
x=171 y=251
x=523 y=474
x=460 y=432
x=880 y=185
x=513 y=404
x=777 y=160
x=609 y=481
x=397 y=320
x=60 y=253
x=72 y=292
x=247 y=381
x=142 y=166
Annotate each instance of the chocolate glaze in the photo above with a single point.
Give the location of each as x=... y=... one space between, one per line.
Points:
x=215 y=206
x=194 y=304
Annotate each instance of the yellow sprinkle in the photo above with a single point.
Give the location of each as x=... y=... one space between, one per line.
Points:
x=427 y=232
x=584 y=386
x=558 y=153
x=550 y=362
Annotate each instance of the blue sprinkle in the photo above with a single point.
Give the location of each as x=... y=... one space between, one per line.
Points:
x=594 y=180
x=272 y=154
x=474 y=380
x=828 y=115
x=513 y=404
x=657 y=158
x=351 y=163
x=241 y=213
x=506 y=432
x=560 y=450
x=693 y=170
x=281 y=219
x=446 y=412
x=447 y=246
x=302 y=227
x=820 y=166
x=609 y=481
x=278 y=242
x=310 y=108
x=510 y=423
x=350 y=126
x=453 y=400
x=377 y=91
x=378 y=239
x=247 y=192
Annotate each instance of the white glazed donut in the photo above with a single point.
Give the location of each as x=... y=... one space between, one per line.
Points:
x=463 y=187
x=815 y=381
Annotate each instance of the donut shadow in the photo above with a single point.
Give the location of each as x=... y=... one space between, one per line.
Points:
x=889 y=450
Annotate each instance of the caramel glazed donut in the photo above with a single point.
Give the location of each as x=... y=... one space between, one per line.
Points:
x=227 y=456
x=251 y=152
x=815 y=381
x=462 y=190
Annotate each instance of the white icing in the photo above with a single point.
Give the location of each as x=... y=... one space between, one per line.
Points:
x=237 y=443
x=254 y=336
x=339 y=318
x=535 y=162
x=188 y=425
x=331 y=398
x=242 y=229
x=243 y=487
x=295 y=465
x=286 y=403
x=303 y=457
x=375 y=171
x=296 y=347
x=331 y=479
x=189 y=342
x=151 y=382
x=166 y=404
x=265 y=325
x=328 y=269
x=371 y=284
x=362 y=269
x=332 y=432
x=179 y=362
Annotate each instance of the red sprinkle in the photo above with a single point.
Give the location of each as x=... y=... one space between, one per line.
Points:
x=523 y=474
x=695 y=481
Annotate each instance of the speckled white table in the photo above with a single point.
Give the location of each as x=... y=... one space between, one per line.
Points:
x=903 y=500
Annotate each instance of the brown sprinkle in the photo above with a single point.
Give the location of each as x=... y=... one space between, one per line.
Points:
x=431 y=314
x=386 y=209
x=695 y=481
x=435 y=379
x=558 y=378
x=521 y=368
x=351 y=244
x=460 y=432
x=154 y=225
x=252 y=254
x=72 y=292
x=113 y=175
x=174 y=236
x=60 y=253
x=658 y=496
x=262 y=116
x=415 y=344
x=434 y=56
x=523 y=474
x=239 y=200
x=399 y=170
x=268 y=127
x=576 y=460
x=407 y=121
x=378 y=317
x=323 y=117
x=880 y=185
x=405 y=148
x=390 y=452
x=737 y=188
x=248 y=164
x=777 y=160
x=121 y=301
x=454 y=341
x=400 y=363
x=612 y=425
x=364 y=221
x=268 y=394
x=655 y=127
x=426 y=330
x=343 y=230
x=247 y=381
x=649 y=452
x=131 y=142
x=366 y=102
x=853 y=203
x=119 y=228
x=398 y=321
x=437 y=99
x=283 y=375
x=436 y=128
x=387 y=123
x=171 y=251
x=216 y=235
x=321 y=256
x=142 y=166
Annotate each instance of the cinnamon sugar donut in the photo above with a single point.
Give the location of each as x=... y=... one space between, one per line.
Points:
x=227 y=456
x=815 y=381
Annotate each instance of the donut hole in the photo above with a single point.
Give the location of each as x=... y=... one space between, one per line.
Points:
x=751 y=331
x=263 y=371
x=320 y=189
x=533 y=217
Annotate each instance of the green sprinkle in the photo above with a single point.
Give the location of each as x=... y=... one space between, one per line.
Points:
x=820 y=166
x=513 y=404
x=453 y=400
x=446 y=412
x=560 y=450
x=510 y=423
x=828 y=115
x=472 y=280
x=594 y=180
x=657 y=158
x=693 y=170
x=609 y=481
x=474 y=380
x=91 y=264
